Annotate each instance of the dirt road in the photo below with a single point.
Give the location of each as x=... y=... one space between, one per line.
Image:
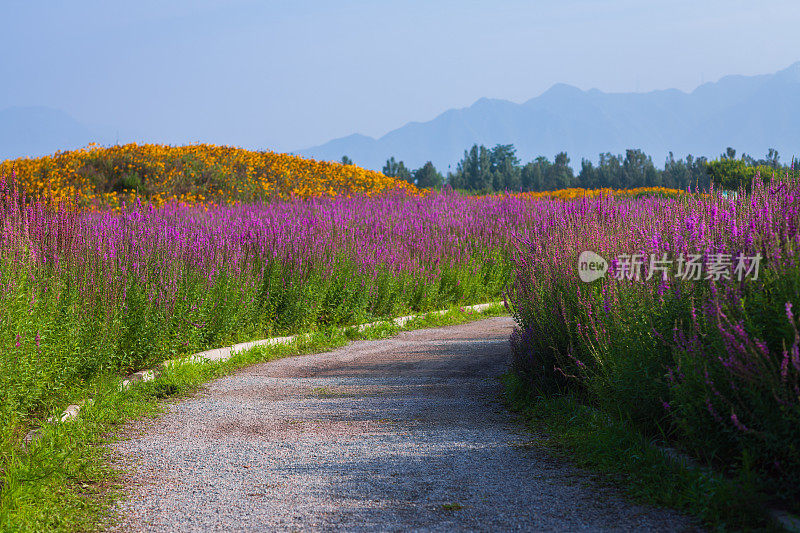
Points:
x=406 y=433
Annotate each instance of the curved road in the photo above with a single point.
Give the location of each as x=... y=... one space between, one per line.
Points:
x=406 y=433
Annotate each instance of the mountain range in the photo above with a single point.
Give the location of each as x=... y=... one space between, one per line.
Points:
x=749 y=113
x=37 y=130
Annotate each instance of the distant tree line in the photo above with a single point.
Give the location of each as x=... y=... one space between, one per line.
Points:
x=426 y=176
x=485 y=170
x=730 y=173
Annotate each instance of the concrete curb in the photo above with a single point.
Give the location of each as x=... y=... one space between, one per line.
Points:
x=223 y=354
x=785 y=520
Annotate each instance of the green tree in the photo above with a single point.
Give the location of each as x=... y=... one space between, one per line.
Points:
x=506 y=172
x=428 y=177
x=560 y=175
x=474 y=171
x=638 y=170
x=587 y=177
x=395 y=169
x=731 y=174
x=534 y=174
x=677 y=173
x=730 y=154
x=773 y=159
x=346 y=160
x=456 y=180
x=701 y=180
x=609 y=171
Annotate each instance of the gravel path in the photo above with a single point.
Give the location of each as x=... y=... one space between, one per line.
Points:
x=406 y=433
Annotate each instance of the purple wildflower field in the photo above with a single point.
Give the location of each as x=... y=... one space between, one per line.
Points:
x=711 y=364
x=705 y=351
x=89 y=294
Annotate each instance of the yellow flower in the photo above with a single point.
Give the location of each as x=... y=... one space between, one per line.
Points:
x=202 y=173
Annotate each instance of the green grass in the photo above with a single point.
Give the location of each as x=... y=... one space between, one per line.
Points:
x=451 y=506
x=613 y=448
x=63 y=481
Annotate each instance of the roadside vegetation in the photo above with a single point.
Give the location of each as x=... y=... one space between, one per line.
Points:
x=64 y=480
x=694 y=345
x=85 y=295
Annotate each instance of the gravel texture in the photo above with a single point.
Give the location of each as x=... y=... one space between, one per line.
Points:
x=406 y=433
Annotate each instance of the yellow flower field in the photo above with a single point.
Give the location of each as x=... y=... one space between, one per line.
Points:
x=574 y=193
x=202 y=173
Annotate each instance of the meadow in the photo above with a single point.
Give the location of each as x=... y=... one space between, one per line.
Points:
x=85 y=294
x=113 y=260
x=703 y=358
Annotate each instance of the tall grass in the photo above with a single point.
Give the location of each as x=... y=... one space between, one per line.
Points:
x=709 y=364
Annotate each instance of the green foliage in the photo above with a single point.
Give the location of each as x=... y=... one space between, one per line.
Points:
x=474 y=171
x=498 y=169
x=601 y=440
x=617 y=353
x=733 y=174
x=394 y=169
x=427 y=177
x=619 y=361
x=63 y=342
x=710 y=366
x=482 y=169
x=506 y=172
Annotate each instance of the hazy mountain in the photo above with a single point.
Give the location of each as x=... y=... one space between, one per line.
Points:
x=749 y=113
x=33 y=131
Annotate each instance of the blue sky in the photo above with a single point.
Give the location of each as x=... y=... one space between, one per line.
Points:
x=288 y=75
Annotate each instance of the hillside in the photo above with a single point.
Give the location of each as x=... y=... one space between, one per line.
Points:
x=199 y=173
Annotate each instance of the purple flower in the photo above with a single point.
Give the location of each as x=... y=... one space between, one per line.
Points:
x=739 y=425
